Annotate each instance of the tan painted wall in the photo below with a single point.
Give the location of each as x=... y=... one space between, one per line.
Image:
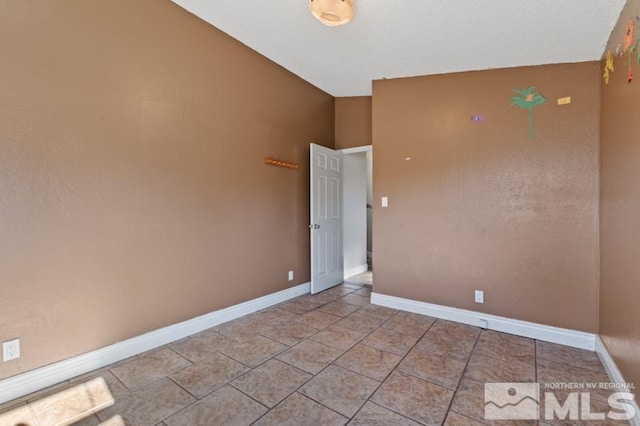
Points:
x=133 y=193
x=620 y=210
x=353 y=122
x=481 y=205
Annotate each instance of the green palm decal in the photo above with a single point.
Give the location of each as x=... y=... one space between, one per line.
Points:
x=528 y=99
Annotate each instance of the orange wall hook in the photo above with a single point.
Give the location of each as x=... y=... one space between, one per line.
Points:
x=279 y=163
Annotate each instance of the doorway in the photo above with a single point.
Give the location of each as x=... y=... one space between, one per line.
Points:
x=358 y=215
x=341 y=184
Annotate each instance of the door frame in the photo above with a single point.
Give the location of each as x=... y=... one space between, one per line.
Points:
x=356 y=149
x=367 y=254
x=345 y=151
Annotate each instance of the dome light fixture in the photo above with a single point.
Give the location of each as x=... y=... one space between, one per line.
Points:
x=332 y=12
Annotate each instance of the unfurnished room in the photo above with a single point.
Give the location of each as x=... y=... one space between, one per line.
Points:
x=319 y=212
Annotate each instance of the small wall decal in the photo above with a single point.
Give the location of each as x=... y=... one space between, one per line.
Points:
x=528 y=100
x=637 y=45
x=630 y=44
x=629 y=36
x=608 y=68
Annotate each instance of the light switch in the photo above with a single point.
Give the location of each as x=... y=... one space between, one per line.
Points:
x=385 y=202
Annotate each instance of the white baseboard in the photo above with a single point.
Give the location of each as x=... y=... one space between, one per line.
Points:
x=355 y=271
x=614 y=373
x=34 y=380
x=563 y=336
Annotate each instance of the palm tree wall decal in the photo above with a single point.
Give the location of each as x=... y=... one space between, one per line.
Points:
x=528 y=99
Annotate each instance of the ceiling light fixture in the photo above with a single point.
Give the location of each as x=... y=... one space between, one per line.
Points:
x=332 y=12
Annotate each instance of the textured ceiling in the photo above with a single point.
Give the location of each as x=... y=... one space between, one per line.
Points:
x=402 y=38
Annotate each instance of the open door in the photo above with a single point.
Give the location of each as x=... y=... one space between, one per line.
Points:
x=326 y=218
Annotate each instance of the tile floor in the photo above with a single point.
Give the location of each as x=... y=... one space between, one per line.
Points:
x=365 y=278
x=325 y=359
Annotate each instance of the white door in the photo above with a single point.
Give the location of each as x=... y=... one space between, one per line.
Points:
x=326 y=218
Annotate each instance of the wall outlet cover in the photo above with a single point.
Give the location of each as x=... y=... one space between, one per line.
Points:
x=290 y=275
x=479 y=296
x=11 y=350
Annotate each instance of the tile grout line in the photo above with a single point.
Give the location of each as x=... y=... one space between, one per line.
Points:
x=228 y=382
x=314 y=375
x=119 y=381
x=535 y=372
x=147 y=385
x=168 y=376
x=186 y=406
x=384 y=408
x=462 y=376
x=250 y=369
x=332 y=363
x=392 y=370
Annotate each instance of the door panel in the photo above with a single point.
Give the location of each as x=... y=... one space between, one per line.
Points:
x=326 y=218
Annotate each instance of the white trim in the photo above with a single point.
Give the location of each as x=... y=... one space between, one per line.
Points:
x=614 y=374
x=354 y=150
x=34 y=380
x=563 y=336
x=355 y=271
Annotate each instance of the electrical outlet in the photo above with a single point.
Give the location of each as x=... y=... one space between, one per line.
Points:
x=290 y=275
x=11 y=350
x=384 y=202
x=479 y=296
x=564 y=101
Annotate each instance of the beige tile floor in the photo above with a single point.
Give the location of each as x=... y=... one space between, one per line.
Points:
x=365 y=278
x=326 y=359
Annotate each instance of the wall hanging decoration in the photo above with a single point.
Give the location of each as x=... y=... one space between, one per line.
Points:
x=528 y=99
x=629 y=36
x=630 y=42
x=608 y=68
x=280 y=163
